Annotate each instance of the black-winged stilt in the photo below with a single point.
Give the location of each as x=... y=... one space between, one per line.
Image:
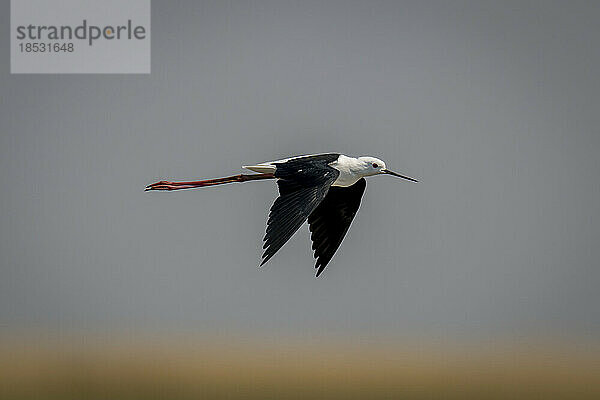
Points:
x=324 y=189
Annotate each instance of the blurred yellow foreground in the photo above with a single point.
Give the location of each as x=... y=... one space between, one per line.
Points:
x=184 y=367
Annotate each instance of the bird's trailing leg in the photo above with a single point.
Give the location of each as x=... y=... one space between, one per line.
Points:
x=168 y=185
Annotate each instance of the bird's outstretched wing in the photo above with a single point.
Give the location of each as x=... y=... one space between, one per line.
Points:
x=330 y=221
x=303 y=183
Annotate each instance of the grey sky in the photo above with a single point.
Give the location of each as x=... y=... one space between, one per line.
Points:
x=493 y=105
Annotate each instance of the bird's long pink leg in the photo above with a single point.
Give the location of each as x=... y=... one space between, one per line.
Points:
x=168 y=185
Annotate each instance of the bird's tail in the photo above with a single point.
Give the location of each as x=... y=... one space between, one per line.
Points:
x=168 y=185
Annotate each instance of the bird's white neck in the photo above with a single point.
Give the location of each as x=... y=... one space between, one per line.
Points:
x=351 y=170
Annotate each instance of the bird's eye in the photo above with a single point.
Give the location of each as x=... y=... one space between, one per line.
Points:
x=375 y=165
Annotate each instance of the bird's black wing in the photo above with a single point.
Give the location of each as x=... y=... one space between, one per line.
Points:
x=330 y=221
x=303 y=183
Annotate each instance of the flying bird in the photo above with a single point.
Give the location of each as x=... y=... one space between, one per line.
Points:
x=324 y=189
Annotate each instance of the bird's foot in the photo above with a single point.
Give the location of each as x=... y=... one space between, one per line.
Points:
x=167 y=185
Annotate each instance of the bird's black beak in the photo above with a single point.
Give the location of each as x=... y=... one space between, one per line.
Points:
x=408 y=178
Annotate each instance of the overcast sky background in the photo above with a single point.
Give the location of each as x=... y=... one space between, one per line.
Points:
x=493 y=105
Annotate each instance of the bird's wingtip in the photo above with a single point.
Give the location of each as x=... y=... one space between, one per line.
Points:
x=320 y=268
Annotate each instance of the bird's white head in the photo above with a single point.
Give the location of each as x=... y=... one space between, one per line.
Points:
x=371 y=165
x=374 y=166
